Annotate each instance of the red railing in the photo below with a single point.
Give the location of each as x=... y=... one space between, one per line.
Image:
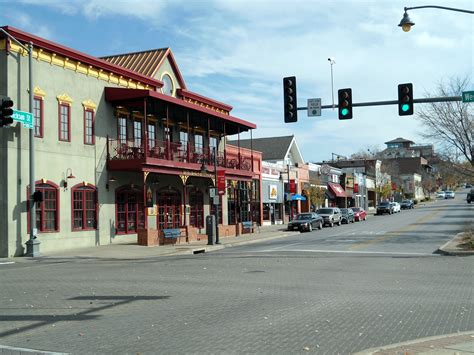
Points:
x=174 y=151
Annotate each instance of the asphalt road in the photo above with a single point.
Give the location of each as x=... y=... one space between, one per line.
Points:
x=420 y=231
x=277 y=298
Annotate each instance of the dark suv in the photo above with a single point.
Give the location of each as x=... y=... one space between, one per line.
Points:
x=331 y=215
x=470 y=196
x=347 y=215
x=384 y=207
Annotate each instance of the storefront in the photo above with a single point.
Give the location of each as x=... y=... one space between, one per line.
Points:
x=272 y=194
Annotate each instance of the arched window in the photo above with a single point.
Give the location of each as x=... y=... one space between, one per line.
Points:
x=47 y=211
x=84 y=207
x=196 y=213
x=130 y=214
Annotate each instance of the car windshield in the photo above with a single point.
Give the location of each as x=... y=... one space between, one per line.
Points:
x=384 y=204
x=344 y=210
x=303 y=216
x=324 y=211
x=356 y=209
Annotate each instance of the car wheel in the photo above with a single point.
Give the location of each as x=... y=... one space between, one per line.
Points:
x=331 y=224
x=320 y=225
x=339 y=223
x=310 y=228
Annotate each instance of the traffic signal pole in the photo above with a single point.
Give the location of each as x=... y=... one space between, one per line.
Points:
x=32 y=245
x=395 y=102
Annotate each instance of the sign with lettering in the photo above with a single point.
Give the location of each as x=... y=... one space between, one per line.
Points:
x=221 y=182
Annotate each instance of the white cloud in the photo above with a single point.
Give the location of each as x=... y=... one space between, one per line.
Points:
x=238 y=51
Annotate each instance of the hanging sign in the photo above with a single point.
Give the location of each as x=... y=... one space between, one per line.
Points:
x=292 y=186
x=221 y=182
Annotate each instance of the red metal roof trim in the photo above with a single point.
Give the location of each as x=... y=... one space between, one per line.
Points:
x=192 y=95
x=79 y=56
x=120 y=94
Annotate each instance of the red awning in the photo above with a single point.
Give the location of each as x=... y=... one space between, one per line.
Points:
x=337 y=189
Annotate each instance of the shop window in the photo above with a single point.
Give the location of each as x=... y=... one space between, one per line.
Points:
x=151 y=135
x=196 y=215
x=64 y=122
x=89 y=127
x=84 y=207
x=47 y=211
x=129 y=208
x=122 y=130
x=137 y=133
x=38 y=116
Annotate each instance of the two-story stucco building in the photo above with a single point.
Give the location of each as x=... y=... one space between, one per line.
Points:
x=123 y=150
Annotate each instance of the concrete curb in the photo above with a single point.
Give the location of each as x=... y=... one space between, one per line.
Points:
x=450 y=247
x=212 y=248
x=438 y=343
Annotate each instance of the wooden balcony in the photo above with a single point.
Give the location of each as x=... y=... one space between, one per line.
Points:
x=134 y=155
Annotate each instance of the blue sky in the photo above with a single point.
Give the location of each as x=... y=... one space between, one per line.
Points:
x=238 y=51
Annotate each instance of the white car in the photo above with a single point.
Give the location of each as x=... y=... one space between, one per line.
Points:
x=396 y=207
x=449 y=194
x=441 y=194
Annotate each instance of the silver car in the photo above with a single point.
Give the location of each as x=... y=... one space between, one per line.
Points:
x=331 y=216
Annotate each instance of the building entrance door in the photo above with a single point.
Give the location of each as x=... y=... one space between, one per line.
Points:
x=169 y=209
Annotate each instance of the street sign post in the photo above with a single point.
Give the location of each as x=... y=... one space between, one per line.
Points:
x=25 y=118
x=314 y=107
x=468 y=96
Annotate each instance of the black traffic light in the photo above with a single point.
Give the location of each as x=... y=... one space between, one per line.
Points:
x=344 y=105
x=289 y=99
x=405 y=99
x=6 y=112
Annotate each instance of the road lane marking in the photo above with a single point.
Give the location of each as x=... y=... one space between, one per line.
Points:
x=350 y=252
x=7 y=262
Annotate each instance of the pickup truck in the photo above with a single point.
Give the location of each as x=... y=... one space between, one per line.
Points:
x=470 y=196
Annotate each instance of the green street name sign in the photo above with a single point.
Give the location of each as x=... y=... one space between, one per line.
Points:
x=25 y=118
x=468 y=96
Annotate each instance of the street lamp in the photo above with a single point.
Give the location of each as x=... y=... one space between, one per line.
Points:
x=406 y=23
x=216 y=205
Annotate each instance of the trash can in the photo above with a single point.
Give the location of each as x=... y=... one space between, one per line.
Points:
x=211 y=229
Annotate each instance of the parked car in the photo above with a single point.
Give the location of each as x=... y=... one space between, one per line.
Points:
x=470 y=196
x=347 y=215
x=407 y=205
x=396 y=207
x=359 y=213
x=384 y=207
x=440 y=194
x=449 y=194
x=331 y=215
x=468 y=186
x=306 y=222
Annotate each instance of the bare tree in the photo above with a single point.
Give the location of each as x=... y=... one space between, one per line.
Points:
x=450 y=123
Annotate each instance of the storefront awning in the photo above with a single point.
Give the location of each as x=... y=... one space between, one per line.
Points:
x=337 y=189
x=298 y=197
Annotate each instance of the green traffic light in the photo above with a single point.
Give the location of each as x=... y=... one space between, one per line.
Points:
x=344 y=111
x=405 y=107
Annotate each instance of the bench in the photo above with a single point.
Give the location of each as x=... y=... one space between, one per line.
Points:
x=173 y=233
x=247 y=226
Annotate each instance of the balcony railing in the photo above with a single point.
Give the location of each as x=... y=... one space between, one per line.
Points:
x=174 y=151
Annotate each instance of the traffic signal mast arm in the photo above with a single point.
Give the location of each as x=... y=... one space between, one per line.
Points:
x=395 y=102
